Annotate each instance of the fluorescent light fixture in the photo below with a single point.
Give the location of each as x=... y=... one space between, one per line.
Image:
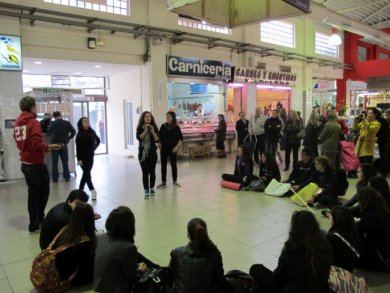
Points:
x=334 y=39
x=77 y=73
x=38 y=62
x=235 y=85
x=97 y=66
x=204 y=22
x=260 y=86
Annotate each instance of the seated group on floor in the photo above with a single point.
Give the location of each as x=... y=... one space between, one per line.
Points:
x=74 y=255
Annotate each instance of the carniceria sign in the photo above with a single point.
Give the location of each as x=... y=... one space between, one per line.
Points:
x=185 y=66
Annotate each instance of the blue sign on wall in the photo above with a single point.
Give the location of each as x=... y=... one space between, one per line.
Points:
x=10 y=53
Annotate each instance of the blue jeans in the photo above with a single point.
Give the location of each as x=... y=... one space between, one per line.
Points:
x=63 y=154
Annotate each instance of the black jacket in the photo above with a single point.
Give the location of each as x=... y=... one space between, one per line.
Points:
x=153 y=146
x=291 y=130
x=169 y=137
x=273 y=128
x=244 y=168
x=242 y=130
x=343 y=255
x=57 y=218
x=197 y=272
x=325 y=180
x=269 y=173
x=221 y=131
x=86 y=143
x=383 y=132
x=61 y=131
x=301 y=172
x=292 y=274
x=312 y=133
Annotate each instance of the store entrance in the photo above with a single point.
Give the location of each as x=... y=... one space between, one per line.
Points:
x=96 y=113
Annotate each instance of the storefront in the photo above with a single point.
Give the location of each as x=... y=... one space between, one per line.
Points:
x=324 y=93
x=196 y=93
x=273 y=89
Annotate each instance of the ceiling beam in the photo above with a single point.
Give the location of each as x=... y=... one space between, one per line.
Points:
x=376 y=12
x=361 y=6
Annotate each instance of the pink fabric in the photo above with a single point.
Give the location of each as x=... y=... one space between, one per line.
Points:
x=348 y=156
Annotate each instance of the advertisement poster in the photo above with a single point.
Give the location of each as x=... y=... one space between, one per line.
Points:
x=10 y=53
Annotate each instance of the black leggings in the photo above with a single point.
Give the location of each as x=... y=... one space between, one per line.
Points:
x=264 y=281
x=148 y=167
x=86 y=178
x=164 y=160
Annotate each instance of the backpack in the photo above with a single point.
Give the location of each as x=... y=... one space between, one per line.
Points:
x=343 y=281
x=257 y=185
x=341 y=181
x=240 y=281
x=44 y=274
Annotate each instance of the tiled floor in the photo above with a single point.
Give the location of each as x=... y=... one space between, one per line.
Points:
x=247 y=227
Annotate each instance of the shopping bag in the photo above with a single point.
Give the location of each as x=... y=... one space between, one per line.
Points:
x=276 y=188
x=303 y=195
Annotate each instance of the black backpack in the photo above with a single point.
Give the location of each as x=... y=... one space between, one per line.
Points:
x=341 y=181
x=241 y=282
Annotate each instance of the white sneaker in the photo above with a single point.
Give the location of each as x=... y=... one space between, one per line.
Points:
x=93 y=194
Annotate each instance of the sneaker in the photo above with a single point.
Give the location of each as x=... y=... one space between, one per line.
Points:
x=151 y=191
x=176 y=184
x=163 y=184
x=93 y=194
x=146 y=194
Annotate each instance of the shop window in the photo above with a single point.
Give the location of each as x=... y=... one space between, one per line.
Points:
x=128 y=107
x=383 y=56
x=322 y=46
x=362 y=54
x=278 y=32
x=196 y=24
x=110 y=6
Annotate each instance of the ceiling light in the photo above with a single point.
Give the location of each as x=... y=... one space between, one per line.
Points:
x=203 y=22
x=97 y=66
x=335 y=39
x=78 y=73
x=26 y=71
x=38 y=62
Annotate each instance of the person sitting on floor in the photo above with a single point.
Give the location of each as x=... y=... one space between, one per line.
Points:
x=344 y=238
x=304 y=263
x=76 y=262
x=302 y=170
x=374 y=230
x=268 y=169
x=197 y=266
x=243 y=171
x=325 y=178
x=117 y=262
x=381 y=185
x=59 y=215
x=365 y=172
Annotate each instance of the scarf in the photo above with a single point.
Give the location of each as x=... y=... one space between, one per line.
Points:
x=145 y=144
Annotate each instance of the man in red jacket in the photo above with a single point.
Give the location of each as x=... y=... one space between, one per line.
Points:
x=29 y=140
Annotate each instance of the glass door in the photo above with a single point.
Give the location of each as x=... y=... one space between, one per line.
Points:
x=96 y=113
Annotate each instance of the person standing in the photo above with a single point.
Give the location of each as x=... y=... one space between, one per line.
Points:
x=291 y=129
x=45 y=122
x=330 y=139
x=242 y=127
x=256 y=127
x=171 y=139
x=61 y=132
x=86 y=143
x=29 y=140
x=147 y=134
x=312 y=133
x=220 y=133
x=273 y=130
x=368 y=128
x=382 y=140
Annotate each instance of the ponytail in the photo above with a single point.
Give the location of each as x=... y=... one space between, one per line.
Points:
x=197 y=231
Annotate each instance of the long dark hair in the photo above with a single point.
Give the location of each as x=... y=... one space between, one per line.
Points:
x=82 y=222
x=174 y=120
x=368 y=171
x=270 y=162
x=305 y=236
x=197 y=232
x=381 y=185
x=142 y=117
x=245 y=153
x=370 y=199
x=80 y=124
x=344 y=224
x=120 y=224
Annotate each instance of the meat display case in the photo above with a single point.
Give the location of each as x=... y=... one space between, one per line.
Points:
x=198 y=135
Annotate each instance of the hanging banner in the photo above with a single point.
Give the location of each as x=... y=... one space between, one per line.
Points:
x=201 y=68
x=263 y=76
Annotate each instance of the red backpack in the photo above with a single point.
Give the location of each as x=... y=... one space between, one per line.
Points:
x=44 y=274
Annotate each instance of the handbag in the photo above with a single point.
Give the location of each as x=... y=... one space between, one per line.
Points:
x=301 y=133
x=343 y=281
x=44 y=274
x=257 y=185
x=240 y=281
x=152 y=280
